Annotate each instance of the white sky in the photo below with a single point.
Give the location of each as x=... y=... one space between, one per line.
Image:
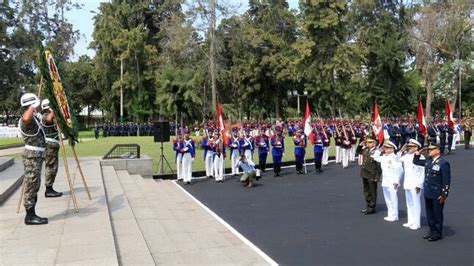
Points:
x=82 y=20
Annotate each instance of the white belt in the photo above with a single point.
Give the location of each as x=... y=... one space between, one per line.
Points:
x=34 y=148
x=52 y=140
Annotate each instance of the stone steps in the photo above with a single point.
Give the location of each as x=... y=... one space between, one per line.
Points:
x=6 y=162
x=11 y=177
x=83 y=238
x=131 y=246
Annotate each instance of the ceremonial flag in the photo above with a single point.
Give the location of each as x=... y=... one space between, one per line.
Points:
x=308 y=130
x=377 y=124
x=57 y=94
x=420 y=118
x=449 y=114
x=220 y=123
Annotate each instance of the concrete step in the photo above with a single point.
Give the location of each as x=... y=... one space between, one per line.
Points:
x=6 y=162
x=83 y=238
x=131 y=246
x=10 y=179
x=189 y=234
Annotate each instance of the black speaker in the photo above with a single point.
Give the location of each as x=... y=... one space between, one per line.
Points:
x=161 y=131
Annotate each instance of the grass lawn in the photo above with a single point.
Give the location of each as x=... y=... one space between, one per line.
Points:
x=10 y=141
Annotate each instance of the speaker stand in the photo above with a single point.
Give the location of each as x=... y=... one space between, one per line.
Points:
x=161 y=162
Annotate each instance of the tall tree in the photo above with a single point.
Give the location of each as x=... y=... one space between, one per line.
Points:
x=440 y=34
x=326 y=58
x=380 y=30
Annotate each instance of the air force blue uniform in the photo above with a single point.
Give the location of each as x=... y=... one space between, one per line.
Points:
x=436 y=185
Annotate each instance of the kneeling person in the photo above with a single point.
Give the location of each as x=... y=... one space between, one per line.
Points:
x=249 y=170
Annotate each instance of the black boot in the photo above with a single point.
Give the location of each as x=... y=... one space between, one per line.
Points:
x=32 y=219
x=51 y=193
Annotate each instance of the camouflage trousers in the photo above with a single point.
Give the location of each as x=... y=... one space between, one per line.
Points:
x=50 y=164
x=32 y=162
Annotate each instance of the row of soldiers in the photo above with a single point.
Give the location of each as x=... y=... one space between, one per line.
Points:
x=347 y=135
x=127 y=129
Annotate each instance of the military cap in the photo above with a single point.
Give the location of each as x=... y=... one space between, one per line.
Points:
x=413 y=143
x=390 y=144
x=371 y=139
x=433 y=146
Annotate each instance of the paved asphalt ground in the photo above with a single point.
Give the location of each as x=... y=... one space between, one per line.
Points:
x=314 y=219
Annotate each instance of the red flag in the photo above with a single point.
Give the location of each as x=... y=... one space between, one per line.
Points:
x=221 y=124
x=449 y=114
x=377 y=124
x=308 y=130
x=420 y=118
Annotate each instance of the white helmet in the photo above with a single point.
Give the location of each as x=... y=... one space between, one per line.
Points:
x=28 y=99
x=45 y=104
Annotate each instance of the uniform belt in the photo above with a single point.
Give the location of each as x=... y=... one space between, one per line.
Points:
x=34 y=148
x=52 y=140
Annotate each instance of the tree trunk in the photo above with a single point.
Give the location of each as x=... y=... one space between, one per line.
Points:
x=212 y=56
x=88 y=115
x=277 y=107
x=429 y=99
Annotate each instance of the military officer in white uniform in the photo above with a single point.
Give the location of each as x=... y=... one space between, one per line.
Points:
x=414 y=176
x=392 y=171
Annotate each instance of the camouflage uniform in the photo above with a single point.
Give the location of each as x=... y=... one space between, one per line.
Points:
x=33 y=156
x=51 y=154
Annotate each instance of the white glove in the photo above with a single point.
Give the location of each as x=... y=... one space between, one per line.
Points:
x=36 y=104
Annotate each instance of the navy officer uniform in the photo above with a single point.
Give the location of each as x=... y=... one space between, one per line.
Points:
x=436 y=190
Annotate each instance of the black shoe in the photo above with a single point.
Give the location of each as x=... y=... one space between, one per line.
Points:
x=363 y=211
x=51 y=193
x=434 y=238
x=428 y=236
x=320 y=170
x=32 y=219
x=370 y=212
x=190 y=183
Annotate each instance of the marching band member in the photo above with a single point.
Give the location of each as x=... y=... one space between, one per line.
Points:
x=338 y=141
x=299 y=139
x=208 y=143
x=326 y=144
x=234 y=146
x=263 y=145
x=219 y=156
x=317 y=149
x=247 y=144
x=177 y=147
x=188 y=153
x=345 y=148
x=278 y=150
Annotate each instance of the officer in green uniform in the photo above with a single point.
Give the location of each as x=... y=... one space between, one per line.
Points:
x=370 y=172
x=33 y=155
x=51 y=157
